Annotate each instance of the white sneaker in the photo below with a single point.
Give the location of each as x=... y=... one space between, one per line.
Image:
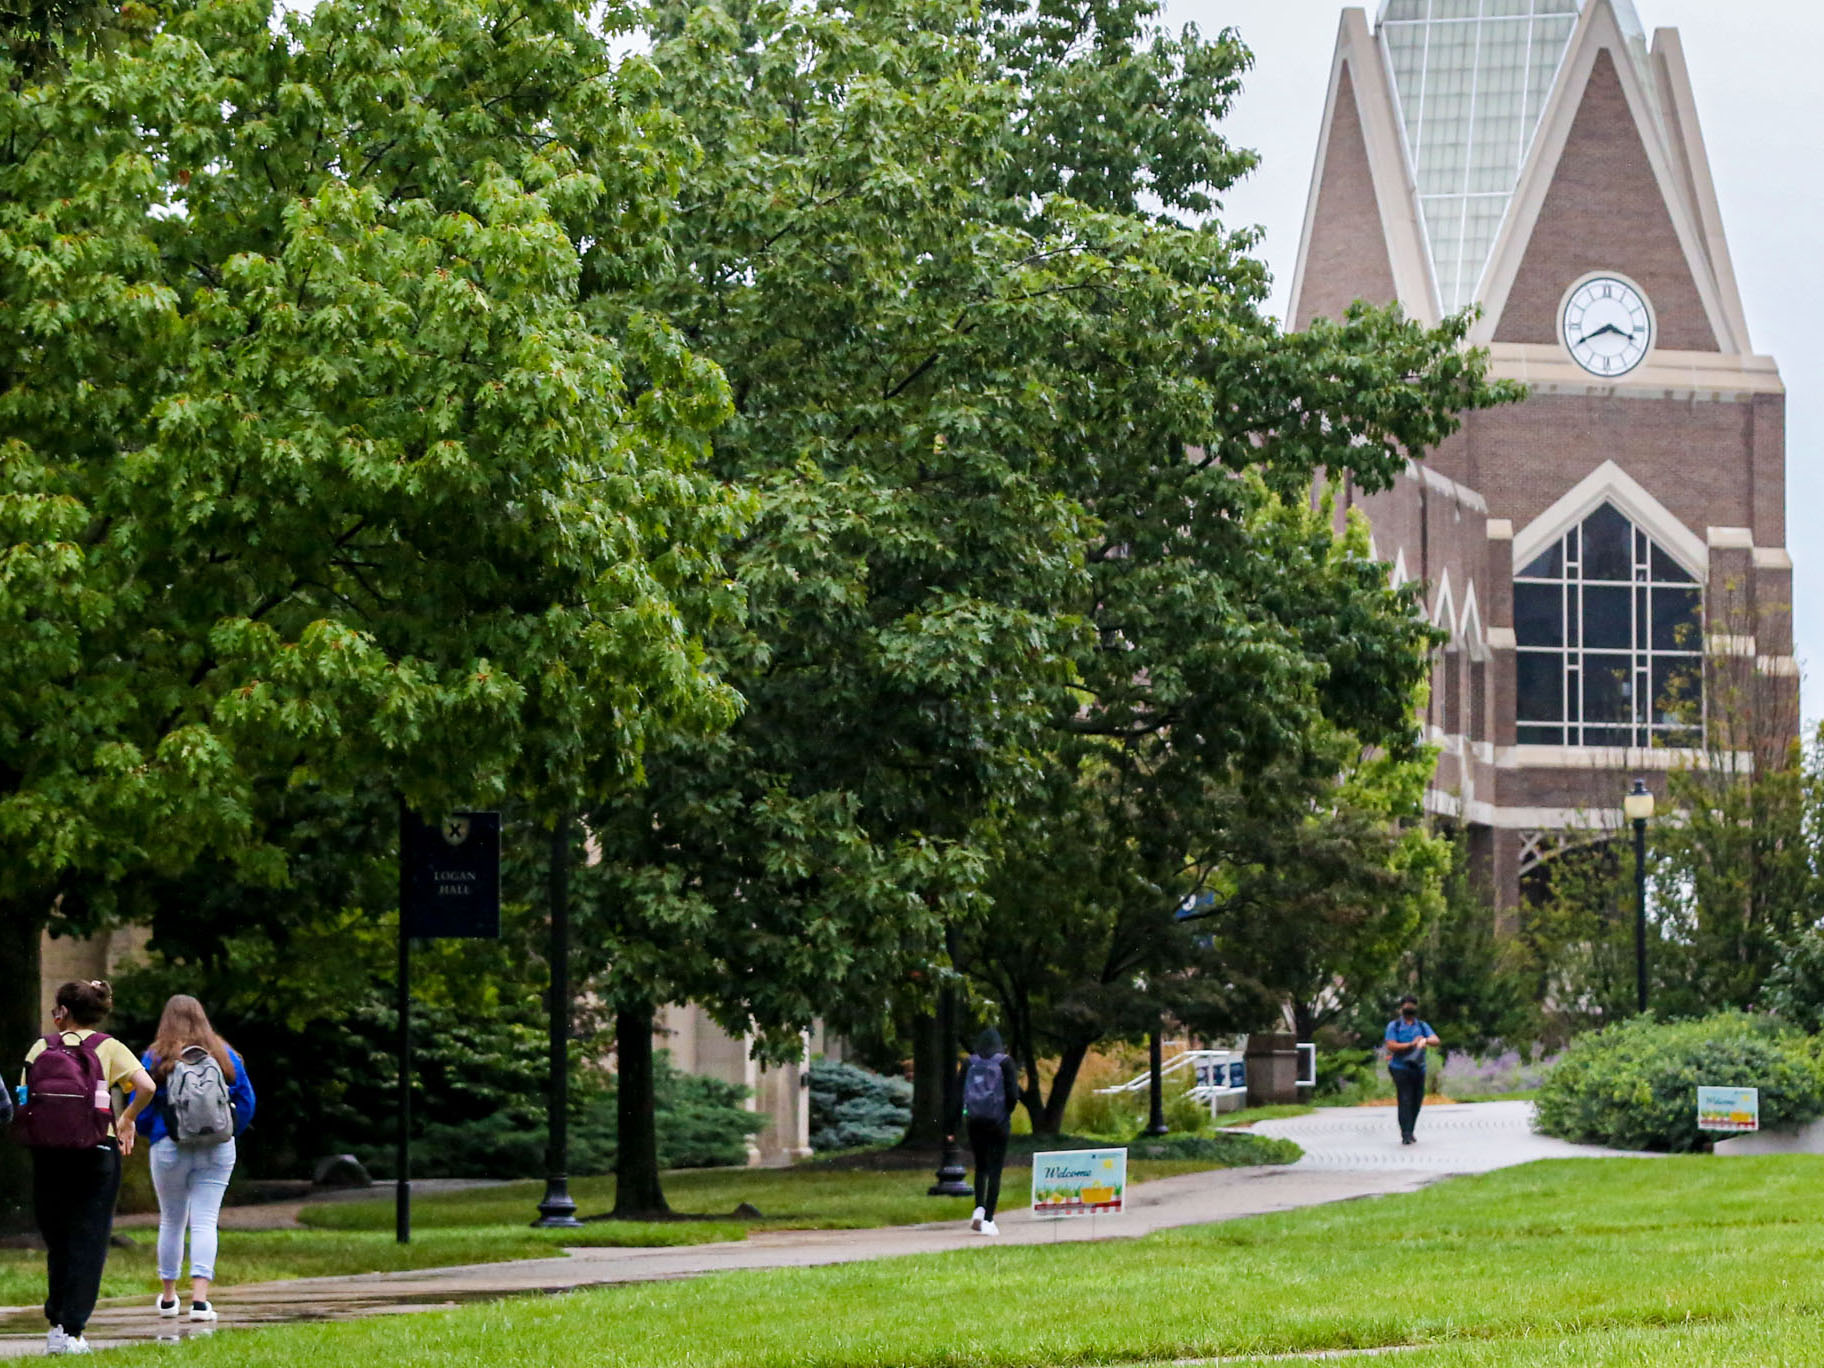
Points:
x=202 y=1311
x=975 y=1219
x=55 y=1341
x=990 y=1228
x=75 y=1344
x=168 y=1309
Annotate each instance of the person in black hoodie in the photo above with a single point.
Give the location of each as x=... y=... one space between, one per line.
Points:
x=988 y=1089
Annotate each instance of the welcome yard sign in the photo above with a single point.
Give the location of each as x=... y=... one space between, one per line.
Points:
x=1078 y=1182
x=1728 y=1109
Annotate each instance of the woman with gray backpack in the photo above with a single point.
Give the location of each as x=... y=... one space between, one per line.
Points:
x=204 y=1100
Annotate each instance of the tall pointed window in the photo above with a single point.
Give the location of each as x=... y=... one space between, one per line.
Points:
x=1610 y=636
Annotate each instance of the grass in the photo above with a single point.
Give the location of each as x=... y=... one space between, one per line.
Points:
x=492 y=1224
x=1247 y=1116
x=1677 y=1262
x=805 y=1198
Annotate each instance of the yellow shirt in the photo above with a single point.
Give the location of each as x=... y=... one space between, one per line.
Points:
x=117 y=1061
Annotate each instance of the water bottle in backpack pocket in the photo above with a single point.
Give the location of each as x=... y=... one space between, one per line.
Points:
x=984 y=1091
x=66 y=1096
x=197 y=1110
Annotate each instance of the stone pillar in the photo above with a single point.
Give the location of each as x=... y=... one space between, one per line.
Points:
x=1272 y=1060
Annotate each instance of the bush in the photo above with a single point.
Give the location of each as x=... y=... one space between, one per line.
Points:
x=1345 y=1071
x=1794 y=991
x=852 y=1108
x=1634 y=1085
x=701 y=1123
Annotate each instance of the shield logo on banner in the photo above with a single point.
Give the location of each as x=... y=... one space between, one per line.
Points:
x=455 y=830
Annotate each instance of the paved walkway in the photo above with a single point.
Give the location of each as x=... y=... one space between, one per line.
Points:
x=1349 y=1153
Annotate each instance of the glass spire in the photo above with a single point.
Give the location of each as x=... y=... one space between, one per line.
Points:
x=1473 y=77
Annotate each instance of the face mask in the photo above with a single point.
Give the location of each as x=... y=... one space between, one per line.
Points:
x=1409 y=1012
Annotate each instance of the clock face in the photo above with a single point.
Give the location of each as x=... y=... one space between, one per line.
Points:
x=1607 y=326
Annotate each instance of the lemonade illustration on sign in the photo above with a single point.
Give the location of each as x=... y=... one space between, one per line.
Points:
x=1079 y=1182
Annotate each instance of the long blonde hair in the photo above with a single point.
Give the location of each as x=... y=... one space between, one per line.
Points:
x=182 y=1024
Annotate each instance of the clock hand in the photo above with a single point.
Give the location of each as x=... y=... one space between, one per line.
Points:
x=1607 y=328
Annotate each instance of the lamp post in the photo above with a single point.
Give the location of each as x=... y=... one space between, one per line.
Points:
x=1638 y=806
x=952 y=1172
x=1156 y=1089
x=558 y=1209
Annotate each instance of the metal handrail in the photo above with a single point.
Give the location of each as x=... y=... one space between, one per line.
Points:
x=1204 y=1092
x=1175 y=1064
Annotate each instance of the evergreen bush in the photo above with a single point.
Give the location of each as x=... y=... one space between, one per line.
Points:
x=852 y=1108
x=1634 y=1085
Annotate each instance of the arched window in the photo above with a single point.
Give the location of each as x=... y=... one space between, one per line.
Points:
x=1610 y=636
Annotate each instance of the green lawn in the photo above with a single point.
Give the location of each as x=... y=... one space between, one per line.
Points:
x=493 y=1224
x=1688 y=1261
x=805 y=1198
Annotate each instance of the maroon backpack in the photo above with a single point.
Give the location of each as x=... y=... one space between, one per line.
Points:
x=66 y=1097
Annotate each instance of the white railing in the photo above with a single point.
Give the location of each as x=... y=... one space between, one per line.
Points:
x=1217 y=1073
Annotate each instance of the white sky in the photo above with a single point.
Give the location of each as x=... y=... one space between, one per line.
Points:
x=1761 y=103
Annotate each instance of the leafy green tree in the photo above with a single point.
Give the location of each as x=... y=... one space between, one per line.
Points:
x=1321 y=901
x=314 y=474
x=1470 y=982
x=1735 y=867
x=994 y=377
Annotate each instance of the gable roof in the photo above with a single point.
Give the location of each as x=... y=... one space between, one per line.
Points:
x=1361 y=116
x=1612 y=184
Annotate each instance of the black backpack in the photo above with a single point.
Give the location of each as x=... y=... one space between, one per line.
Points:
x=984 y=1089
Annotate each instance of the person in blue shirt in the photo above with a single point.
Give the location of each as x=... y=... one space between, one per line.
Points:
x=1407 y=1038
x=190 y=1181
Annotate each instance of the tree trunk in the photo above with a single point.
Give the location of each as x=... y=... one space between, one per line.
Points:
x=1304 y=1021
x=637 y=1194
x=926 y=1130
x=1051 y=1119
x=19 y=1025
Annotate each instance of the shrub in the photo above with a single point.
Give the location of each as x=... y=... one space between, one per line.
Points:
x=852 y=1108
x=1794 y=991
x=701 y=1123
x=1345 y=1071
x=1634 y=1085
x=1510 y=1071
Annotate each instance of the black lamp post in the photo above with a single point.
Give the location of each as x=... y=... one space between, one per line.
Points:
x=952 y=1172
x=1156 y=1047
x=558 y=1209
x=1638 y=806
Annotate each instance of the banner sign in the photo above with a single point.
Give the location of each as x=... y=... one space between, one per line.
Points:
x=449 y=875
x=1078 y=1182
x=1729 y=1109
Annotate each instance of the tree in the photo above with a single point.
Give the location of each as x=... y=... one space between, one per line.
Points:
x=1212 y=898
x=1735 y=861
x=316 y=477
x=947 y=261
x=1323 y=899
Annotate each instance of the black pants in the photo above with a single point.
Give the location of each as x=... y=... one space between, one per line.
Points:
x=73 y=1194
x=989 y=1141
x=1409 y=1087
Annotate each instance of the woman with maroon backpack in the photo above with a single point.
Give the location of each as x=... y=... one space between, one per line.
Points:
x=66 y=1116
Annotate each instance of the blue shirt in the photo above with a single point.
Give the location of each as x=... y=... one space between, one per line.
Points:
x=1399 y=1031
x=151 y=1123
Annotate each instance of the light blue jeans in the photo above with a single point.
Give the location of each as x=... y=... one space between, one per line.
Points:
x=191 y=1184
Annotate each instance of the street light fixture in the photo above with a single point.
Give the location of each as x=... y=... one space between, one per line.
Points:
x=1638 y=807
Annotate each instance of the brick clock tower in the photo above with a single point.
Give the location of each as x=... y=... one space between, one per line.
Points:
x=1608 y=557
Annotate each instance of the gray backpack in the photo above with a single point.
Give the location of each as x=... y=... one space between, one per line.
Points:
x=198 y=1114
x=984 y=1090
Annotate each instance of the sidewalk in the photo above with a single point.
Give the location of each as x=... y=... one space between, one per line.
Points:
x=1350 y=1153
